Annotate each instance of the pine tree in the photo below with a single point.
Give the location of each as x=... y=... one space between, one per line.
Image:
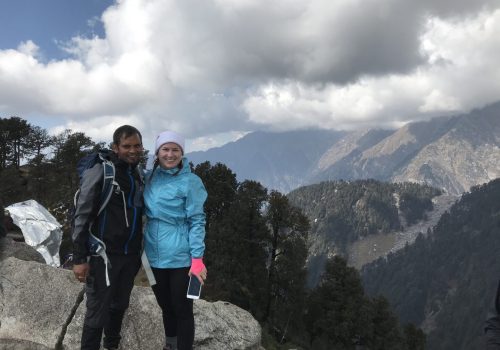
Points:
x=249 y=233
x=287 y=255
x=338 y=314
x=221 y=186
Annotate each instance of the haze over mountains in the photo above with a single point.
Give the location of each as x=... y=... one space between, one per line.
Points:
x=450 y=153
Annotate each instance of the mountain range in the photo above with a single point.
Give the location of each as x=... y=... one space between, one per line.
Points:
x=452 y=153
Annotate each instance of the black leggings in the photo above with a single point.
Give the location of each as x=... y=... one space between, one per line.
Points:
x=170 y=291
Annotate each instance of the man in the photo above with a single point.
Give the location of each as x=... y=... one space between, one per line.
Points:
x=108 y=284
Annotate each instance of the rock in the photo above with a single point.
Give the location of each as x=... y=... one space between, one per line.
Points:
x=142 y=326
x=35 y=301
x=14 y=344
x=20 y=250
x=41 y=307
x=219 y=325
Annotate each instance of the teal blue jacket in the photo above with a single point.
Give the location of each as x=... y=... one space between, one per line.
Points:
x=175 y=229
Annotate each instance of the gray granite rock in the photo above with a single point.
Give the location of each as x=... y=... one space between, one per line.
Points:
x=42 y=307
x=219 y=325
x=14 y=344
x=20 y=250
x=36 y=301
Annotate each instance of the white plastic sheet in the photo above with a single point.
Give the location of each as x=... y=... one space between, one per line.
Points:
x=40 y=229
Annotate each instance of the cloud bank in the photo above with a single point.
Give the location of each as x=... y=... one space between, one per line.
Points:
x=214 y=70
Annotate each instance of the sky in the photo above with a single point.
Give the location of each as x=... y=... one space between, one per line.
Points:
x=215 y=70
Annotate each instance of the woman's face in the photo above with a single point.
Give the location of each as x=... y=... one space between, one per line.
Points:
x=169 y=155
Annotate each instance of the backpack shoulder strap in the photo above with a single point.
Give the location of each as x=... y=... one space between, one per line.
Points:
x=108 y=182
x=110 y=185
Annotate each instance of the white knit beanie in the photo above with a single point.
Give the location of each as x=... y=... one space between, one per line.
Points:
x=169 y=136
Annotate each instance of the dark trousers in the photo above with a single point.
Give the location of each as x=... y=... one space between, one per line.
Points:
x=177 y=310
x=106 y=305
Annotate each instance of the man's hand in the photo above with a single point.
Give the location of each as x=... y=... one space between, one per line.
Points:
x=81 y=271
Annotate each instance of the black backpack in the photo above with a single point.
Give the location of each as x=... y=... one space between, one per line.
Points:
x=95 y=245
x=88 y=162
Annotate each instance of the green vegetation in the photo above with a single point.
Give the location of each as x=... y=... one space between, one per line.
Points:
x=344 y=211
x=255 y=245
x=447 y=279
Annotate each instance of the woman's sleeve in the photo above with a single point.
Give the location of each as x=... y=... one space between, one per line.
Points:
x=196 y=196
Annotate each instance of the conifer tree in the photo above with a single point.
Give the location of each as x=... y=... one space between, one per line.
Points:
x=386 y=333
x=69 y=148
x=287 y=254
x=14 y=132
x=221 y=186
x=414 y=337
x=248 y=243
x=338 y=313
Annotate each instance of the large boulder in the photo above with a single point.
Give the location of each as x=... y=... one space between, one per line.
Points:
x=36 y=301
x=9 y=247
x=44 y=306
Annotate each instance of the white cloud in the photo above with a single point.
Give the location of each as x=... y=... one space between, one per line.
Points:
x=28 y=48
x=460 y=74
x=203 y=143
x=214 y=70
x=98 y=126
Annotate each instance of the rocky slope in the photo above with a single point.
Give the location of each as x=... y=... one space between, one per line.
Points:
x=468 y=154
x=372 y=247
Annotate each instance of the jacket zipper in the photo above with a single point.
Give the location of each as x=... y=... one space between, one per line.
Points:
x=130 y=205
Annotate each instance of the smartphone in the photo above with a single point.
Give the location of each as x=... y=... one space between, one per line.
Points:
x=194 y=288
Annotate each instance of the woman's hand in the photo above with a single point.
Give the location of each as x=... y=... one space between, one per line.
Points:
x=198 y=269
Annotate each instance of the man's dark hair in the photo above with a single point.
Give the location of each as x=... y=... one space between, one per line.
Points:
x=125 y=131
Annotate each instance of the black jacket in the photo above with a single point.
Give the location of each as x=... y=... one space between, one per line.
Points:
x=121 y=234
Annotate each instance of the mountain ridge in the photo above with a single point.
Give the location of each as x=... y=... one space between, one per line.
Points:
x=452 y=153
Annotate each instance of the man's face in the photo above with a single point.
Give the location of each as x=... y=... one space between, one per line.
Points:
x=130 y=149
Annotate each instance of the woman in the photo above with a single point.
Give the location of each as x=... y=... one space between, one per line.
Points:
x=174 y=236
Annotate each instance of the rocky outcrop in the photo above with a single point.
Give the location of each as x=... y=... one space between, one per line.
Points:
x=460 y=159
x=42 y=307
x=11 y=248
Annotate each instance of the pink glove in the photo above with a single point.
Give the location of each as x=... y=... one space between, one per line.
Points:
x=197 y=266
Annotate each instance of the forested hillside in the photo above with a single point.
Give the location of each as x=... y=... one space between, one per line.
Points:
x=342 y=212
x=445 y=282
x=256 y=248
x=345 y=211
